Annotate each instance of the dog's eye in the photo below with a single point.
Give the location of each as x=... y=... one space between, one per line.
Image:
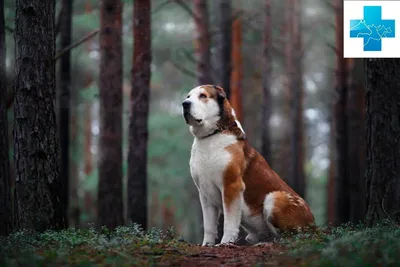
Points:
x=202 y=96
x=188 y=96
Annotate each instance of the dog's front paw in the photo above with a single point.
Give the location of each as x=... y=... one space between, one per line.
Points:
x=207 y=244
x=227 y=245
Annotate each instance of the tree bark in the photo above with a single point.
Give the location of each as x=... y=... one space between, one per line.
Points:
x=64 y=100
x=37 y=167
x=383 y=144
x=267 y=79
x=237 y=69
x=202 y=43
x=139 y=107
x=296 y=87
x=340 y=123
x=109 y=201
x=356 y=145
x=224 y=44
x=6 y=211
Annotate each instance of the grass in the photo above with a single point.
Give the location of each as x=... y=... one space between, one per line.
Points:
x=348 y=245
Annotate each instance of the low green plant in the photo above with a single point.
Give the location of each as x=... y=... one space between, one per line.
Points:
x=347 y=245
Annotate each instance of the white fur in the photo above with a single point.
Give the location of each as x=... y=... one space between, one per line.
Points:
x=237 y=121
x=269 y=203
x=207 y=164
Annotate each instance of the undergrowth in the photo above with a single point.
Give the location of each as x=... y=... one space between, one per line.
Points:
x=126 y=245
x=347 y=245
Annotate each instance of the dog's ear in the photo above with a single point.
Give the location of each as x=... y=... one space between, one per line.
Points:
x=221 y=93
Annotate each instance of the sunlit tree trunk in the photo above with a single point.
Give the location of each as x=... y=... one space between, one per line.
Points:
x=237 y=69
x=340 y=123
x=267 y=81
x=36 y=146
x=202 y=42
x=139 y=108
x=109 y=200
x=64 y=100
x=6 y=211
x=382 y=80
x=223 y=43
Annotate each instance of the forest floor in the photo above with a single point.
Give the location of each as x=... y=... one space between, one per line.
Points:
x=347 y=245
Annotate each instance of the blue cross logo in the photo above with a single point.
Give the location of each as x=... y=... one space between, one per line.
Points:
x=372 y=28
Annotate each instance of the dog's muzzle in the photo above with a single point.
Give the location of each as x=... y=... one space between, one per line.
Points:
x=186 y=112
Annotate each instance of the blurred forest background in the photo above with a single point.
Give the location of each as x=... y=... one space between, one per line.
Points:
x=288 y=83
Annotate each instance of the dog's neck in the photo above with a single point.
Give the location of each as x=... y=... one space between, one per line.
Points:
x=227 y=123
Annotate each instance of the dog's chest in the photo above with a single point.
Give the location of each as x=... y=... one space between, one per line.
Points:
x=209 y=159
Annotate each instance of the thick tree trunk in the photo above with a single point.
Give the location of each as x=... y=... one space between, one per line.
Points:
x=6 y=211
x=267 y=79
x=109 y=201
x=202 y=43
x=139 y=107
x=37 y=170
x=382 y=80
x=64 y=100
x=237 y=69
x=356 y=145
x=296 y=87
x=340 y=123
x=223 y=44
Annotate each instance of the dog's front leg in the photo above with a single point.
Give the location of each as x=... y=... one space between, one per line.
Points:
x=210 y=221
x=233 y=205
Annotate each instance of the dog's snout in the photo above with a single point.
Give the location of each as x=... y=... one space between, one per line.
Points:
x=186 y=104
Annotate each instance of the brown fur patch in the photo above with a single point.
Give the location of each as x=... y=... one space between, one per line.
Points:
x=232 y=178
x=290 y=211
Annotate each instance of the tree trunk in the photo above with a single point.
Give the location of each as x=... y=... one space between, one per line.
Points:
x=109 y=201
x=382 y=80
x=356 y=145
x=237 y=69
x=6 y=212
x=202 y=43
x=267 y=79
x=139 y=107
x=64 y=100
x=223 y=44
x=331 y=178
x=340 y=123
x=287 y=144
x=37 y=172
x=296 y=88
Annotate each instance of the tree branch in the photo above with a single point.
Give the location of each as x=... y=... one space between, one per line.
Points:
x=183 y=70
x=72 y=46
x=8 y=28
x=187 y=9
x=189 y=56
x=160 y=6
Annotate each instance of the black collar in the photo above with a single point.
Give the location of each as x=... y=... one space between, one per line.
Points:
x=220 y=129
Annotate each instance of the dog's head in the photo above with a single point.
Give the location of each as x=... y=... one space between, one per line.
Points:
x=207 y=109
x=203 y=104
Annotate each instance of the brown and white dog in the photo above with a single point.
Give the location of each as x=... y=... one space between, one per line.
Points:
x=232 y=177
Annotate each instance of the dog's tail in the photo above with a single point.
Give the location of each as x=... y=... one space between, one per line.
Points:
x=283 y=210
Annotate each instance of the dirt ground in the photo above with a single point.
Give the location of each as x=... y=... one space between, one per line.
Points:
x=264 y=255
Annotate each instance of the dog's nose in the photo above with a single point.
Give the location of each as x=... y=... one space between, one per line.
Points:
x=186 y=104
